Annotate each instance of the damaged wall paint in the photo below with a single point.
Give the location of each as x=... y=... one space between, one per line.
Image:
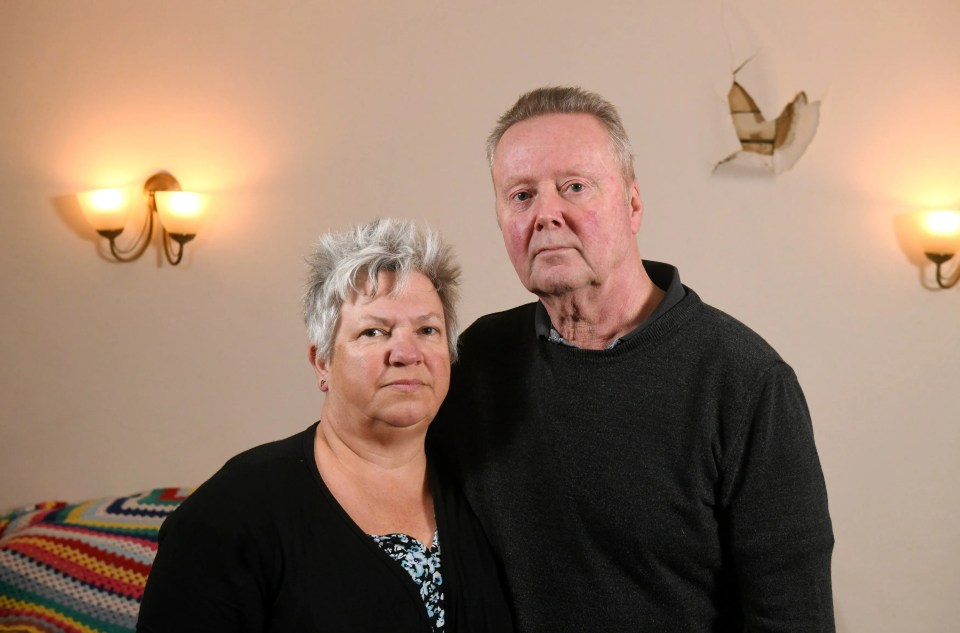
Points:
x=779 y=71
x=769 y=145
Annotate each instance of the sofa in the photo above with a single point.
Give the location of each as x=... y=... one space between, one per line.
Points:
x=81 y=567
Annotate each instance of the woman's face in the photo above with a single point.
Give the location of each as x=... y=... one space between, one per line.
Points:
x=390 y=363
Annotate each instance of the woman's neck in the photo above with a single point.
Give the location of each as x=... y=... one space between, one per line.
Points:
x=381 y=485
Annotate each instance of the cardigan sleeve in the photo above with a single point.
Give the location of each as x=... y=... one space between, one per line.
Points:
x=774 y=513
x=208 y=575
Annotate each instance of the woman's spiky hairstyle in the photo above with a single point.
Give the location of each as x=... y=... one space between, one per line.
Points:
x=341 y=263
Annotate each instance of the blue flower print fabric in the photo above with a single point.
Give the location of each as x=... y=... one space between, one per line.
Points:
x=423 y=565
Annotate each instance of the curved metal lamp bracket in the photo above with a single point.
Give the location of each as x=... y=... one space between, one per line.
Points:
x=160 y=181
x=944 y=280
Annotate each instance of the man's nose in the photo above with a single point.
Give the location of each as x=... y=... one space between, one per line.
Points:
x=550 y=209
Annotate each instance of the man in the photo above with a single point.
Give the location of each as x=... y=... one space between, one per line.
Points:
x=640 y=460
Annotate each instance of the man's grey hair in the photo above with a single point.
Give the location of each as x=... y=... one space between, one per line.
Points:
x=567 y=100
x=341 y=263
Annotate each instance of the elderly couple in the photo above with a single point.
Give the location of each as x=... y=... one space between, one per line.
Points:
x=617 y=456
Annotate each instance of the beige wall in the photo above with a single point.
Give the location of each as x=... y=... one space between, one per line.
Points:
x=302 y=116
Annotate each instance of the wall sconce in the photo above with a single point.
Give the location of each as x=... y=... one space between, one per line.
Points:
x=939 y=237
x=180 y=214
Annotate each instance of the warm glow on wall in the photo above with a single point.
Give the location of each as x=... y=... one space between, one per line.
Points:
x=105 y=209
x=943 y=223
x=938 y=235
x=180 y=214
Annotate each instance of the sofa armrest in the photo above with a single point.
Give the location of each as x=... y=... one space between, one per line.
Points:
x=82 y=566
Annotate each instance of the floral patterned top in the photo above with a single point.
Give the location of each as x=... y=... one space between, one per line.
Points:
x=423 y=565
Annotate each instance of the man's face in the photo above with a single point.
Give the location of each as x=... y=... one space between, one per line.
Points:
x=567 y=217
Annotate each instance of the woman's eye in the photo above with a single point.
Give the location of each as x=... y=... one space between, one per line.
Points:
x=429 y=330
x=371 y=332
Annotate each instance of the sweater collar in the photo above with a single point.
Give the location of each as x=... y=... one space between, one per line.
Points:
x=664 y=276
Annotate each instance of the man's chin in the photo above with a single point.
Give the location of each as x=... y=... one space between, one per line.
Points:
x=553 y=285
x=543 y=277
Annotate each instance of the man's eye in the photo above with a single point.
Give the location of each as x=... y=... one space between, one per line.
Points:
x=577 y=187
x=371 y=332
x=522 y=196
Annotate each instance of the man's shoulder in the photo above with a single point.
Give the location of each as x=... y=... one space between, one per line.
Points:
x=515 y=321
x=731 y=337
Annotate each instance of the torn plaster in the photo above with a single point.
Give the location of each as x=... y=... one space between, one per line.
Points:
x=772 y=58
x=769 y=146
x=773 y=63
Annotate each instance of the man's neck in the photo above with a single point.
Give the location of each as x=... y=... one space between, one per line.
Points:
x=595 y=316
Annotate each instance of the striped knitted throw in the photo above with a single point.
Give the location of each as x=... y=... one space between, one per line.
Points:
x=80 y=568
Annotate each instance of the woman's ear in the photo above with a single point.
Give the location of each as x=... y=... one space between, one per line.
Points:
x=319 y=368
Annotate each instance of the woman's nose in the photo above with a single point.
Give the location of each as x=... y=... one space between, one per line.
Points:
x=404 y=351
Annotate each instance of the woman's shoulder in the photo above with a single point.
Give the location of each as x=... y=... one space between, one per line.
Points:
x=250 y=483
x=277 y=451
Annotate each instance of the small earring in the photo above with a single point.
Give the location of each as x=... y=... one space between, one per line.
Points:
x=323 y=383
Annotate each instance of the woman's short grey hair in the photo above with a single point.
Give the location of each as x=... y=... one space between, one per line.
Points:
x=567 y=100
x=341 y=263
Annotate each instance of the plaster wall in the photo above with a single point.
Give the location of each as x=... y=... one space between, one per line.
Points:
x=304 y=116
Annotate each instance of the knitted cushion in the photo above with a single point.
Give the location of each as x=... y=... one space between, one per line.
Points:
x=80 y=568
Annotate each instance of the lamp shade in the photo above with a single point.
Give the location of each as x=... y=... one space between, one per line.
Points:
x=939 y=231
x=105 y=209
x=181 y=212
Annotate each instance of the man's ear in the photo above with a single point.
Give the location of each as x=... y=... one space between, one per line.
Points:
x=636 y=207
x=319 y=367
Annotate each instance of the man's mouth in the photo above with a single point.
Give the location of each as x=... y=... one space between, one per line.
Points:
x=547 y=250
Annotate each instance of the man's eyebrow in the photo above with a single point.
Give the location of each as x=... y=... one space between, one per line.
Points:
x=513 y=181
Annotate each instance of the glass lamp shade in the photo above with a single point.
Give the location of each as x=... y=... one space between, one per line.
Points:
x=939 y=232
x=105 y=209
x=181 y=212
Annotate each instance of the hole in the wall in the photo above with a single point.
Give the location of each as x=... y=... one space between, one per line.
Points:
x=756 y=134
x=770 y=146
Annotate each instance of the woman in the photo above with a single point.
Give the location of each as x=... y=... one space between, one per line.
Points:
x=344 y=526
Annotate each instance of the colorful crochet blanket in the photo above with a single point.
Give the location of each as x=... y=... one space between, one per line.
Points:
x=80 y=568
